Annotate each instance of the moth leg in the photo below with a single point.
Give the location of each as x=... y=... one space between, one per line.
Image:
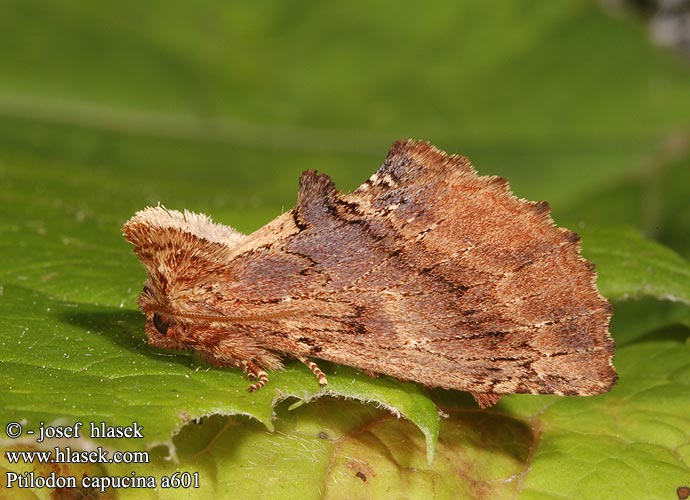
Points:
x=320 y=376
x=255 y=372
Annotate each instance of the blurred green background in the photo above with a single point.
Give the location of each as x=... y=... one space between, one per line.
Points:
x=162 y=100
x=217 y=107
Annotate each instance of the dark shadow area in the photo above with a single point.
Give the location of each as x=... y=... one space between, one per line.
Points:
x=675 y=333
x=646 y=320
x=490 y=432
x=484 y=428
x=124 y=328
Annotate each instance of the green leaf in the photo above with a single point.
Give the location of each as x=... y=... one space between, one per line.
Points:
x=633 y=267
x=531 y=447
x=631 y=443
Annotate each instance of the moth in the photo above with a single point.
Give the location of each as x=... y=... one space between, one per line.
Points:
x=427 y=272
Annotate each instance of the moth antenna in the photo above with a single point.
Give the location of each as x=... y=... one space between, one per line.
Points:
x=320 y=376
x=215 y=318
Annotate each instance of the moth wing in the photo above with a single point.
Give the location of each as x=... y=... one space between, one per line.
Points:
x=432 y=273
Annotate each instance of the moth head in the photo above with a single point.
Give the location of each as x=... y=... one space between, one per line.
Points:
x=163 y=329
x=185 y=256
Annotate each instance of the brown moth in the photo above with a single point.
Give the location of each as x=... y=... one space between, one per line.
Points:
x=427 y=272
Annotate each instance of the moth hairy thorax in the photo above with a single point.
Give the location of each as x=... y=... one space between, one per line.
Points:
x=427 y=272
